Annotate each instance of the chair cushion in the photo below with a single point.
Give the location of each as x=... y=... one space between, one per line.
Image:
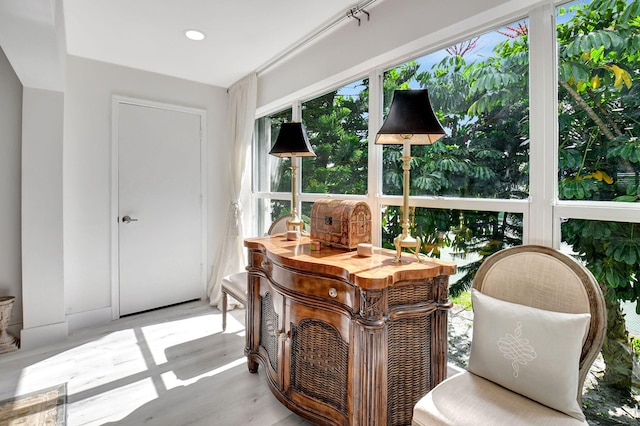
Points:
x=236 y=284
x=467 y=399
x=530 y=351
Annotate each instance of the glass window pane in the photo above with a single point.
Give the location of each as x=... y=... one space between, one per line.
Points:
x=479 y=90
x=599 y=104
x=268 y=211
x=305 y=214
x=463 y=236
x=337 y=126
x=271 y=174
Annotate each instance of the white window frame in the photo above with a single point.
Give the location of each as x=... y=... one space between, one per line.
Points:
x=542 y=211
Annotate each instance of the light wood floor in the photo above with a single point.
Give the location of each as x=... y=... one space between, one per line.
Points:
x=171 y=367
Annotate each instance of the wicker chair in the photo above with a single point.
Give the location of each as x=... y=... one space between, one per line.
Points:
x=533 y=276
x=236 y=284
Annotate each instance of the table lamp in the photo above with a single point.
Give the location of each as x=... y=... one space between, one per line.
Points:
x=292 y=142
x=411 y=121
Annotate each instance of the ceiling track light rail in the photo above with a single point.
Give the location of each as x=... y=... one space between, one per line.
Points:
x=318 y=33
x=352 y=13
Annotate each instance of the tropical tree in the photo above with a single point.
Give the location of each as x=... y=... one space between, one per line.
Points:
x=600 y=154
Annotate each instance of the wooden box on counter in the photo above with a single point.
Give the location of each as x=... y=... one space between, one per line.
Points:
x=341 y=223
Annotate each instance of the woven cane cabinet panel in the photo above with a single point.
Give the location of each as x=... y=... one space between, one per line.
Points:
x=346 y=340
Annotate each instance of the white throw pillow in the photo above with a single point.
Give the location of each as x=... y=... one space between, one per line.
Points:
x=530 y=351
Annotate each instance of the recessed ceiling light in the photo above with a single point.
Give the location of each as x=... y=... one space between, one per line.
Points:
x=194 y=35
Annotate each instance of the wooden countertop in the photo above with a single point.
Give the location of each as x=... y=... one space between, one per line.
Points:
x=375 y=272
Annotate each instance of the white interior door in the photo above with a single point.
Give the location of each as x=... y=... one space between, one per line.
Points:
x=159 y=207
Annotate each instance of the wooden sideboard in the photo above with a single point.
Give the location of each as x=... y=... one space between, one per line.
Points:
x=344 y=339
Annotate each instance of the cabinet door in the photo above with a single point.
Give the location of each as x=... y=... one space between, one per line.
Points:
x=271 y=333
x=316 y=356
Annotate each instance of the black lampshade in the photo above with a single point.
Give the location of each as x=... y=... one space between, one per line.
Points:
x=292 y=140
x=410 y=117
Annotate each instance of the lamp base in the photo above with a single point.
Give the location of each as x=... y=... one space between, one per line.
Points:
x=407 y=241
x=295 y=224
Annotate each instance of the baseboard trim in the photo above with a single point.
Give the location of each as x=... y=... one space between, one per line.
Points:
x=88 y=319
x=38 y=336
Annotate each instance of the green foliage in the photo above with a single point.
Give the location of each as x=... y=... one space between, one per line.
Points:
x=603 y=38
x=599 y=157
x=337 y=126
x=628 y=149
x=611 y=251
x=463 y=300
x=635 y=343
x=577 y=188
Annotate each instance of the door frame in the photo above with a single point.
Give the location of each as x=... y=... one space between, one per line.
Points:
x=116 y=101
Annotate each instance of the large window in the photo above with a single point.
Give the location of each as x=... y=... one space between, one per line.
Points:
x=524 y=159
x=271 y=175
x=549 y=157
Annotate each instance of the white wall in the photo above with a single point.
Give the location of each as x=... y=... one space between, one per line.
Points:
x=42 y=256
x=10 y=137
x=58 y=244
x=87 y=152
x=32 y=36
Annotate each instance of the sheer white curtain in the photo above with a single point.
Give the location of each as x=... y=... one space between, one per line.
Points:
x=242 y=110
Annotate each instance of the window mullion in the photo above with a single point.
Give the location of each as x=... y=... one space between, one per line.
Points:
x=543 y=149
x=374 y=179
x=296 y=115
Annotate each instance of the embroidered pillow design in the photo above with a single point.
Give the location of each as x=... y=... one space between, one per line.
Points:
x=516 y=349
x=531 y=351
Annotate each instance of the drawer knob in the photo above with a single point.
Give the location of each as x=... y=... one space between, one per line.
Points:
x=280 y=334
x=266 y=264
x=333 y=292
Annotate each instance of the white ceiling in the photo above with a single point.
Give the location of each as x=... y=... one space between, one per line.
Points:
x=242 y=35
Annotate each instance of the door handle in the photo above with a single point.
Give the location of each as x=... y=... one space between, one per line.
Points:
x=128 y=219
